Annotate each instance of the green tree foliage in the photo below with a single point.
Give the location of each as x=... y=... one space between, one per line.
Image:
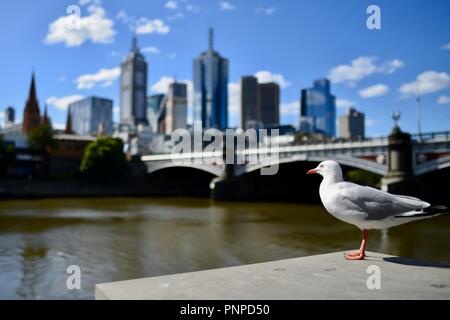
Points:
x=104 y=160
x=41 y=138
x=364 y=177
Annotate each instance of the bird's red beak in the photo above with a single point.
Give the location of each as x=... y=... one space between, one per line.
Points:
x=312 y=171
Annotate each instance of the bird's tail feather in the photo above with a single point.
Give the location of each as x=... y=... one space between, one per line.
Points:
x=427 y=212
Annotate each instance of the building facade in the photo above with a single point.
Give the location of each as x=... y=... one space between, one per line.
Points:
x=318 y=109
x=351 y=125
x=133 y=88
x=89 y=114
x=269 y=104
x=260 y=103
x=174 y=115
x=210 y=77
x=154 y=105
x=249 y=102
x=10 y=116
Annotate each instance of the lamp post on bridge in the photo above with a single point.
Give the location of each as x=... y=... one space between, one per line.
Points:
x=400 y=163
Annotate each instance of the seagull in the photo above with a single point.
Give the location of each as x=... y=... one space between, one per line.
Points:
x=365 y=207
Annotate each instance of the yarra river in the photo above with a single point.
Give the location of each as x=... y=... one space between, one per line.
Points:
x=113 y=239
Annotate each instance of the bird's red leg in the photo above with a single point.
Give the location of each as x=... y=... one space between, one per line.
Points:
x=361 y=253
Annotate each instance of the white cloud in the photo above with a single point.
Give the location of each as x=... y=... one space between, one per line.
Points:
x=84 y=2
x=153 y=50
x=173 y=55
x=176 y=16
x=358 y=69
x=62 y=78
x=162 y=87
x=362 y=67
x=391 y=66
x=63 y=102
x=267 y=76
x=192 y=8
x=146 y=26
x=59 y=126
x=75 y=31
x=344 y=103
x=234 y=94
x=143 y=25
x=374 y=91
x=226 y=6
x=443 y=100
x=103 y=76
x=370 y=122
x=267 y=11
x=446 y=46
x=427 y=82
x=171 y=5
x=290 y=108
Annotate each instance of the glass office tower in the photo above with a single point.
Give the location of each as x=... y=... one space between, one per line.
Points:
x=210 y=73
x=318 y=109
x=87 y=115
x=154 y=105
x=133 y=88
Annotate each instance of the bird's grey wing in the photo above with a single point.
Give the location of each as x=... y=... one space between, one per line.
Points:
x=376 y=204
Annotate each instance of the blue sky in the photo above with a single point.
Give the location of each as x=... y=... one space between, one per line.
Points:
x=291 y=42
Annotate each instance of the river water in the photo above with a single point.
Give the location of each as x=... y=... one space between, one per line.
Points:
x=126 y=238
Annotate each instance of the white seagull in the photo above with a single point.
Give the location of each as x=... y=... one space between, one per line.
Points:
x=366 y=207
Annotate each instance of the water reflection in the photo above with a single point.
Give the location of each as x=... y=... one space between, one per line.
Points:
x=119 y=239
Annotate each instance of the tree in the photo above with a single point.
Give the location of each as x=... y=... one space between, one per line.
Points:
x=364 y=177
x=104 y=160
x=41 y=138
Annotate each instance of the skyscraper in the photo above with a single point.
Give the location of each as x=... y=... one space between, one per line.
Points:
x=269 y=104
x=133 y=88
x=154 y=105
x=318 y=109
x=175 y=114
x=31 y=114
x=260 y=103
x=88 y=114
x=10 y=116
x=249 y=101
x=210 y=73
x=351 y=125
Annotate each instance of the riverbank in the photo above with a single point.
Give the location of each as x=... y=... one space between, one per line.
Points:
x=41 y=189
x=327 y=276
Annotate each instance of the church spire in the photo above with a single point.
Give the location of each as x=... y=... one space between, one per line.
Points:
x=32 y=114
x=45 y=120
x=69 y=123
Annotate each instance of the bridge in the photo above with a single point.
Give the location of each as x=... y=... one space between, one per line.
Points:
x=428 y=152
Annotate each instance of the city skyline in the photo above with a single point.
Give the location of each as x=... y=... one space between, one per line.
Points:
x=369 y=69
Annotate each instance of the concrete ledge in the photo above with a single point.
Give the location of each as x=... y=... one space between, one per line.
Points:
x=327 y=276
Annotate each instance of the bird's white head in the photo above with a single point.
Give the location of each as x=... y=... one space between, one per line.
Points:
x=329 y=169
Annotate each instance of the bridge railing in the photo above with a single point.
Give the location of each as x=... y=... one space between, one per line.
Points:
x=431 y=136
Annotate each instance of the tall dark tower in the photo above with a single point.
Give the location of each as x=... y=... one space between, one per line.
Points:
x=210 y=77
x=133 y=88
x=31 y=114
